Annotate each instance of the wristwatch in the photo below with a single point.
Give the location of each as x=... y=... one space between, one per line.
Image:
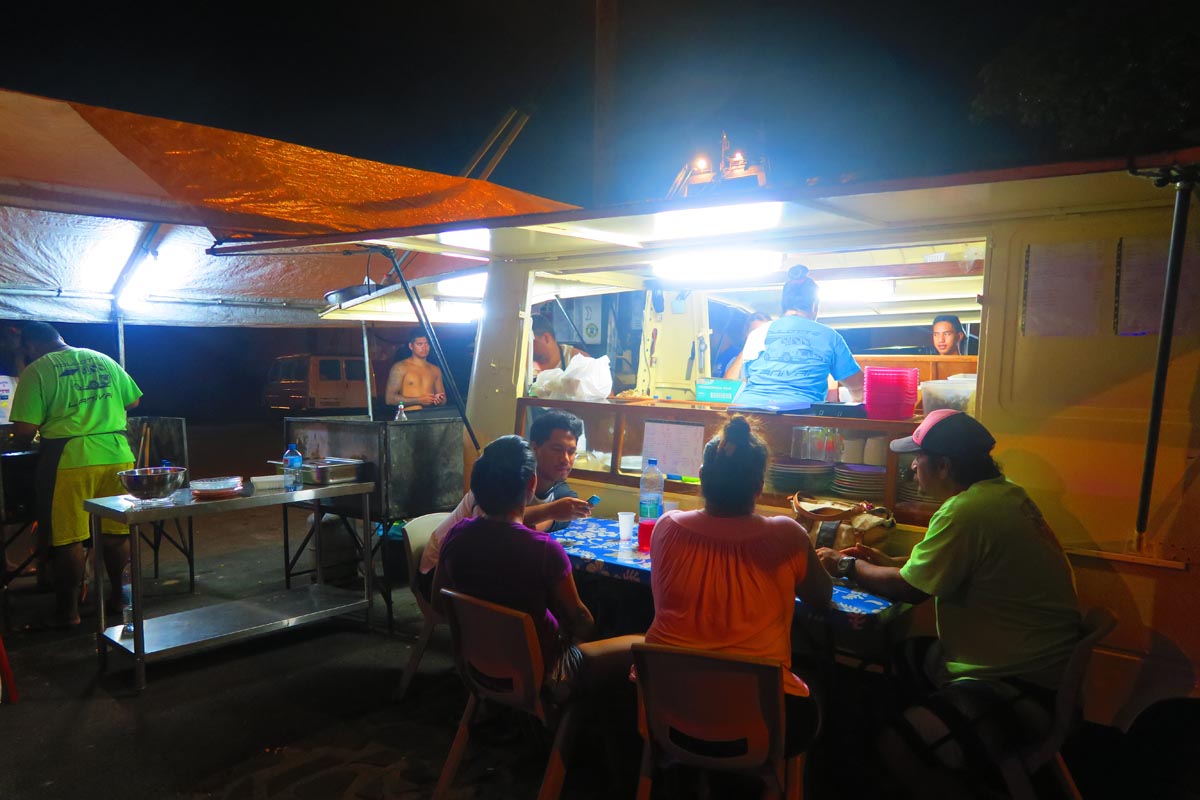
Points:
x=846 y=567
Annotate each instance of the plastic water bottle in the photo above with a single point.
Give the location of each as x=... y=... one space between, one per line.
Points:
x=650 y=495
x=292 y=463
x=127 y=600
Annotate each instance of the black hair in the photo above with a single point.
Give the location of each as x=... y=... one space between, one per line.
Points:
x=967 y=471
x=500 y=478
x=731 y=475
x=39 y=333
x=800 y=291
x=416 y=333
x=952 y=319
x=543 y=324
x=554 y=420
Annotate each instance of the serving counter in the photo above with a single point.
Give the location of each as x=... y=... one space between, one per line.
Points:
x=224 y=623
x=615 y=436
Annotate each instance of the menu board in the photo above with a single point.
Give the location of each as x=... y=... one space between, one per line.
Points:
x=1141 y=281
x=1062 y=288
x=678 y=446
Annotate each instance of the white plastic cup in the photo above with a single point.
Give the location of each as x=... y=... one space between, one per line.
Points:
x=625 y=526
x=670 y=505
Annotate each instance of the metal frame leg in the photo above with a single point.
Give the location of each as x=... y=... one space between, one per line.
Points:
x=139 y=630
x=98 y=582
x=287 y=550
x=368 y=552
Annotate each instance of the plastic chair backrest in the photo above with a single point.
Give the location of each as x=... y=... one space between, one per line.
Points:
x=711 y=710
x=1097 y=623
x=416 y=535
x=497 y=651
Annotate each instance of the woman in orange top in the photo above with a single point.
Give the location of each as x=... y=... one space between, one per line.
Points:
x=726 y=579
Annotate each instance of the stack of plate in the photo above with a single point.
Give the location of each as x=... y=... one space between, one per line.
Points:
x=789 y=475
x=859 y=481
x=216 y=488
x=908 y=491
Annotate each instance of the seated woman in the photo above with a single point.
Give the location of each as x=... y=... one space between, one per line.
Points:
x=496 y=558
x=790 y=360
x=726 y=579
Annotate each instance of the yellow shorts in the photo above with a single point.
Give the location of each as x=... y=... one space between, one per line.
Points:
x=68 y=521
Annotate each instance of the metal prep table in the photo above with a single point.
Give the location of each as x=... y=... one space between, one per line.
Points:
x=212 y=626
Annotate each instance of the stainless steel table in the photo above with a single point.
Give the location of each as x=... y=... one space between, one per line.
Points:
x=216 y=625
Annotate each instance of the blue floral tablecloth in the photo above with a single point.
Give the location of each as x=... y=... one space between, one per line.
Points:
x=593 y=546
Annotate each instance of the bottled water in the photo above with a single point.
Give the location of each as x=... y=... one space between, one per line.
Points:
x=292 y=463
x=127 y=600
x=650 y=495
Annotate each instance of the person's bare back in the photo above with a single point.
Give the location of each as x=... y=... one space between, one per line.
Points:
x=414 y=382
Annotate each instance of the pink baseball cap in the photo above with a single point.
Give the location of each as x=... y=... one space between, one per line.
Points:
x=947 y=433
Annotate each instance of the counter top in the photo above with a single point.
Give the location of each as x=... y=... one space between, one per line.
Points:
x=125 y=509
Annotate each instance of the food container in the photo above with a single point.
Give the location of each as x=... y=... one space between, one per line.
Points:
x=324 y=471
x=957 y=394
x=152 y=483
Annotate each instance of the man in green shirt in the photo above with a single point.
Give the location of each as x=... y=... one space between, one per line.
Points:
x=77 y=399
x=1007 y=611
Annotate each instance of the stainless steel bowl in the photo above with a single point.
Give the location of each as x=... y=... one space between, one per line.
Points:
x=153 y=483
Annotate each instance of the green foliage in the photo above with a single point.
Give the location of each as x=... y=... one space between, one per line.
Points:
x=1103 y=78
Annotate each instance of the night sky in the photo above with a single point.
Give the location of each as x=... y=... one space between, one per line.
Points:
x=819 y=88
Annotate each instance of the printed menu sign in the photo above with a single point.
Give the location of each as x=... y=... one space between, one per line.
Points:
x=1062 y=288
x=1141 y=281
x=678 y=446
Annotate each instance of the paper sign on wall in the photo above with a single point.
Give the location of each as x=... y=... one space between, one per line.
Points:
x=678 y=446
x=1062 y=288
x=1141 y=280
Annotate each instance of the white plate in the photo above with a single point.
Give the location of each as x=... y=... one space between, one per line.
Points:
x=216 y=484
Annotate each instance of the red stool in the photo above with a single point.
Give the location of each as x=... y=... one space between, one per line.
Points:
x=8 y=687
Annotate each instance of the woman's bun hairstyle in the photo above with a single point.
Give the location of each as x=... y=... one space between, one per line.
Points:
x=735 y=462
x=800 y=291
x=798 y=272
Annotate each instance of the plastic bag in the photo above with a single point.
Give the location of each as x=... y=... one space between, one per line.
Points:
x=586 y=379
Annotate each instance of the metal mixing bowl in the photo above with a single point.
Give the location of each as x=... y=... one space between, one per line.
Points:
x=153 y=483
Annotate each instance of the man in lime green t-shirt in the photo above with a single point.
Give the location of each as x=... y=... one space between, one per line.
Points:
x=77 y=399
x=1007 y=612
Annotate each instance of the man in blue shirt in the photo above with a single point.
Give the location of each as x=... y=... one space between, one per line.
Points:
x=791 y=362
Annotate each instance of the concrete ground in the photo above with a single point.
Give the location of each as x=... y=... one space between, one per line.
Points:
x=309 y=713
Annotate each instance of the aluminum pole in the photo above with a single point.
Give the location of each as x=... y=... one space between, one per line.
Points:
x=367 y=364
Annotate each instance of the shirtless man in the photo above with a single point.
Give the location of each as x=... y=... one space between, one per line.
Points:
x=414 y=383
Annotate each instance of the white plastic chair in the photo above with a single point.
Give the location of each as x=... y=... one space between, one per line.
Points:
x=416 y=536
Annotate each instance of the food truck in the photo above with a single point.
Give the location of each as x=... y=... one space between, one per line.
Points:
x=1060 y=269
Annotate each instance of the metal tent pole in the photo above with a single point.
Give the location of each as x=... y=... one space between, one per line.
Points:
x=367 y=365
x=419 y=309
x=121 y=340
x=1184 y=180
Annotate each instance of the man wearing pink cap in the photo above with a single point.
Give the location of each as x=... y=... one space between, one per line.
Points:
x=1007 y=612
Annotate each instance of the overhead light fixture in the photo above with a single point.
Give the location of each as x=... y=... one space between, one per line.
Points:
x=472 y=239
x=856 y=291
x=464 y=286
x=701 y=164
x=457 y=311
x=718 y=265
x=717 y=220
